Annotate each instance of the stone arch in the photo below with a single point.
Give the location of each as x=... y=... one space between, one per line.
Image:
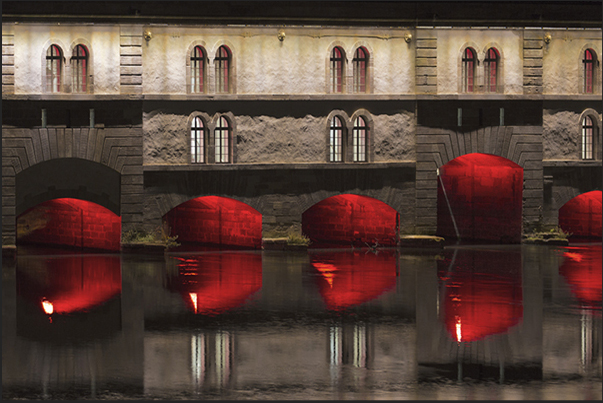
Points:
x=370 y=66
x=206 y=119
x=459 y=63
x=233 y=65
x=597 y=74
x=66 y=56
x=328 y=84
x=187 y=63
x=211 y=127
x=581 y=215
x=346 y=125
x=90 y=66
x=594 y=115
x=500 y=84
x=368 y=117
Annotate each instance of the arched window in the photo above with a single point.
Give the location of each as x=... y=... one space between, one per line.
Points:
x=197 y=141
x=468 y=63
x=337 y=70
x=222 y=140
x=589 y=61
x=491 y=70
x=336 y=140
x=587 y=138
x=222 y=63
x=359 y=140
x=360 y=62
x=54 y=68
x=198 y=62
x=79 y=69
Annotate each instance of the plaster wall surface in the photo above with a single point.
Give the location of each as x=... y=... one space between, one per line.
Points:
x=563 y=69
x=32 y=41
x=450 y=43
x=267 y=139
x=264 y=65
x=561 y=135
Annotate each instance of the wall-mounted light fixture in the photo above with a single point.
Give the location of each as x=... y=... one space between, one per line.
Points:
x=408 y=37
x=547 y=38
x=281 y=35
x=147 y=35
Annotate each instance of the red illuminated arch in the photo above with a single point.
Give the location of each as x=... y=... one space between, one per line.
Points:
x=212 y=284
x=581 y=216
x=349 y=218
x=484 y=192
x=72 y=223
x=213 y=220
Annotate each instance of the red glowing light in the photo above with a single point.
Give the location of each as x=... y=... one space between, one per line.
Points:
x=484 y=193
x=212 y=284
x=581 y=216
x=482 y=295
x=70 y=222
x=354 y=278
x=216 y=220
x=584 y=275
x=351 y=219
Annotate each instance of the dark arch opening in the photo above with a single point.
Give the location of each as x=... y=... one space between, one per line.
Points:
x=70 y=223
x=484 y=193
x=214 y=220
x=351 y=220
x=581 y=216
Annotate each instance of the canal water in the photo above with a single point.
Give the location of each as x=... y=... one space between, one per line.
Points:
x=466 y=322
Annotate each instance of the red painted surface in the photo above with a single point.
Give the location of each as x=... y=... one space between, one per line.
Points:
x=350 y=279
x=70 y=222
x=485 y=194
x=211 y=284
x=482 y=293
x=581 y=216
x=216 y=220
x=351 y=218
x=72 y=284
x=582 y=270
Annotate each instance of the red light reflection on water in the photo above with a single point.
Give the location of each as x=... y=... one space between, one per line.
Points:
x=582 y=270
x=212 y=284
x=352 y=279
x=482 y=293
x=72 y=284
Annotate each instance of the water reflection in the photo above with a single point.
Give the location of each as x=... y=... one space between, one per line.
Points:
x=582 y=270
x=350 y=279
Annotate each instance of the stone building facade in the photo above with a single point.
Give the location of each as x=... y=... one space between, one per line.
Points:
x=262 y=93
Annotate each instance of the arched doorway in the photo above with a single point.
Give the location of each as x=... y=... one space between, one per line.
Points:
x=214 y=220
x=581 y=216
x=351 y=220
x=480 y=198
x=72 y=223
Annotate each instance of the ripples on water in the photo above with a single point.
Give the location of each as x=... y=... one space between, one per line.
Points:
x=487 y=322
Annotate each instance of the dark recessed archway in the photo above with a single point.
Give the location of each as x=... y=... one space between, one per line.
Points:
x=213 y=220
x=581 y=216
x=480 y=198
x=351 y=219
x=72 y=223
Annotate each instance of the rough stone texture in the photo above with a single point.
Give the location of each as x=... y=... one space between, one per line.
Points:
x=267 y=139
x=561 y=135
x=450 y=47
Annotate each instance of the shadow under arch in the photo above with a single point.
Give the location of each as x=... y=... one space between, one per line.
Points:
x=351 y=220
x=480 y=198
x=68 y=178
x=581 y=216
x=215 y=220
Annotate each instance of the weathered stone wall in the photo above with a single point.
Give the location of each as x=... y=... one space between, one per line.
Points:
x=562 y=134
x=269 y=139
x=31 y=42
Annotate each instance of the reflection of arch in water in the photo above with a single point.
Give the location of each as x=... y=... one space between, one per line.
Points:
x=211 y=284
x=351 y=219
x=484 y=193
x=350 y=279
x=581 y=216
x=582 y=270
x=214 y=220
x=482 y=293
x=72 y=223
